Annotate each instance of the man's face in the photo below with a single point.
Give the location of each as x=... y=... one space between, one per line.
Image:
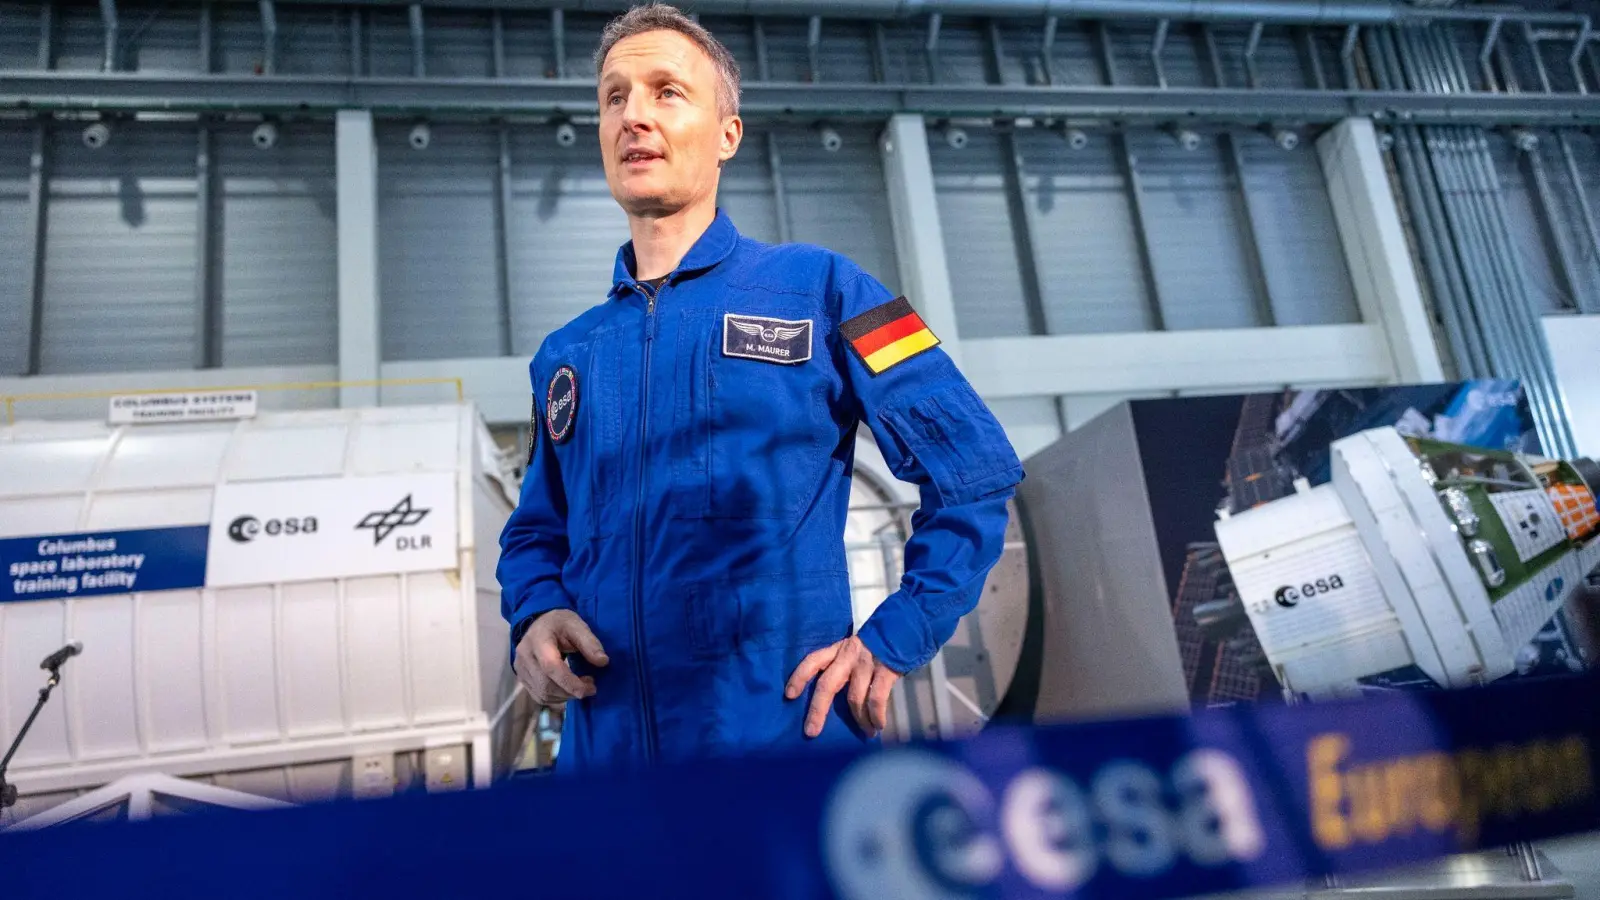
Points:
x=662 y=137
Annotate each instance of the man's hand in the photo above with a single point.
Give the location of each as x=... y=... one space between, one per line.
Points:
x=847 y=662
x=541 y=657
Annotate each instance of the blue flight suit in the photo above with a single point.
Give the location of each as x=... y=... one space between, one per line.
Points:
x=688 y=482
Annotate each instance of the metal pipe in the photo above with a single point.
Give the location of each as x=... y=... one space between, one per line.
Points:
x=1108 y=56
x=1578 y=46
x=497 y=43
x=1308 y=46
x=1347 y=54
x=997 y=53
x=814 y=48
x=269 y=38
x=1024 y=234
x=558 y=41
x=419 y=50
x=1266 y=310
x=1250 y=47
x=47 y=27
x=1208 y=39
x=1512 y=85
x=1047 y=49
x=780 y=194
x=931 y=47
x=1420 y=184
x=880 y=53
x=1490 y=41
x=758 y=36
x=1532 y=332
x=502 y=268
x=39 y=165
x=208 y=300
x=108 y=18
x=1548 y=207
x=357 y=68
x=1585 y=210
x=205 y=37
x=1538 y=57
x=1157 y=44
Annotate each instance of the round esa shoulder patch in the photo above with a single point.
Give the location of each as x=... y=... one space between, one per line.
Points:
x=561 y=404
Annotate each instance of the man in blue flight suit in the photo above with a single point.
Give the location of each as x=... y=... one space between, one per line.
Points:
x=675 y=569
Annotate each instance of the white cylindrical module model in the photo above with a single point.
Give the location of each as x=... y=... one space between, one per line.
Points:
x=297 y=605
x=1418 y=552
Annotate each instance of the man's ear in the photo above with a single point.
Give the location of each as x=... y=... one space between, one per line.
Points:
x=732 y=136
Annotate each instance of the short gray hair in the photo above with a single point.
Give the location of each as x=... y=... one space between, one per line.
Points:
x=661 y=17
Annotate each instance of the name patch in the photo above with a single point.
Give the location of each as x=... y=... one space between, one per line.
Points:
x=770 y=340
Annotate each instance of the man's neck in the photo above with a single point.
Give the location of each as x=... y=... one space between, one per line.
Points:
x=659 y=244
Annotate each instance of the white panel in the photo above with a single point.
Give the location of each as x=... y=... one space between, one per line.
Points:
x=311 y=666
x=246 y=652
x=103 y=677
x=30 y=468
x=277 y=531
x=52 y=515
x=438 y=647
x=150 y=509
x=28 y=633
x=1382 y=272
x=166 y=456
x=1575 y=352
x=173 y=671
x=263 y=453
x=375 y=653
x=1138 y=362
x=381 y=448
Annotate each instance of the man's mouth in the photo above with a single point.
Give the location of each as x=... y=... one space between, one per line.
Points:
x=640 y=156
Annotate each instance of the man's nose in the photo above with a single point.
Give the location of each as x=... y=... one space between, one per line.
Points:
x=637 y=112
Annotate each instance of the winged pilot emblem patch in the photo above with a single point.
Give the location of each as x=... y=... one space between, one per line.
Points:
x=782 y=341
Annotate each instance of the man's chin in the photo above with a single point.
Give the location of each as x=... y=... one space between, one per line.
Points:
x=649 y=205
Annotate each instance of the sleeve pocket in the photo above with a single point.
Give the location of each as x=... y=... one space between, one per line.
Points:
x=958 y=442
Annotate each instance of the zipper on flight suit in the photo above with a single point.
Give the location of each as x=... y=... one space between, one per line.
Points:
x=641 y=663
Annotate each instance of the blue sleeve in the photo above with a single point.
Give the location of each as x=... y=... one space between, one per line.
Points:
x=533 y=545
x=936 y=433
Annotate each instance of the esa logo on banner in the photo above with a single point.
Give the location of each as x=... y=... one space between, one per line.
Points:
x=321 y=528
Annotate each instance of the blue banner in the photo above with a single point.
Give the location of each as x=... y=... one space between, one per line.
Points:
x=50 y=567
x=1225 y=799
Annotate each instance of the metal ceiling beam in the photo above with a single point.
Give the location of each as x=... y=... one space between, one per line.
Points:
x=1272 y=12
x=130 y=92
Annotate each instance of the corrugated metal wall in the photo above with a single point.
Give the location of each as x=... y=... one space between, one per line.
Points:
x=277 y=227
x=1040 y=238
x=120 y=259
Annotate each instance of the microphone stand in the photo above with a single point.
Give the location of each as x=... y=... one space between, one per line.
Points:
x=8 y=791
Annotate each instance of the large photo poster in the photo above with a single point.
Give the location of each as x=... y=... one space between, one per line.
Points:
x=1335 y=542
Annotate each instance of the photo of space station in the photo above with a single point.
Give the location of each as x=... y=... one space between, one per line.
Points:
x=1383 y=538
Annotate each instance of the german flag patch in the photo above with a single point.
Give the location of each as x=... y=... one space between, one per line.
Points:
x=888 y=335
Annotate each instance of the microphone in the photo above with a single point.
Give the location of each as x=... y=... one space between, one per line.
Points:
x=54 y=660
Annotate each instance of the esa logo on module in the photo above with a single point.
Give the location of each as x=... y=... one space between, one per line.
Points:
x=1290 y=595
x=245 y=529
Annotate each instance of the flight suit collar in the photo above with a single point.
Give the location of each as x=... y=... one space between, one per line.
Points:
x=712 y=247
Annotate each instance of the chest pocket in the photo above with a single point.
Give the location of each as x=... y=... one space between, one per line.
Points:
x=589 y=456
x=756 y=433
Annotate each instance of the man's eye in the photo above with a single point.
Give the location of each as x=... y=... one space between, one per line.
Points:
x=614 y=99
x=669 y=92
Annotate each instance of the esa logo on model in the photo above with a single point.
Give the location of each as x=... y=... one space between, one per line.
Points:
x=245 y=529
x=1290 y=595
